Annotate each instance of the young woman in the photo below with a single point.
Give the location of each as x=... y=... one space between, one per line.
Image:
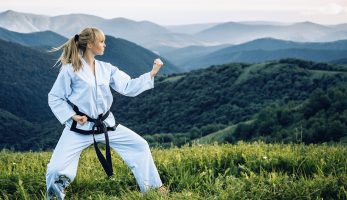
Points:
x=81 y=99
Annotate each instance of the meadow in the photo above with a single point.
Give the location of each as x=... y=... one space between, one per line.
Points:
x=225 y=171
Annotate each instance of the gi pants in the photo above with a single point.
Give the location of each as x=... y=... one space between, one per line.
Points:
x=133 y=149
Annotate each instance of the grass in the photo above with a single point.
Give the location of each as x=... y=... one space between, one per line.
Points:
x=174 y=78
x=242 y=171
x=220 y=135
x=245 y=74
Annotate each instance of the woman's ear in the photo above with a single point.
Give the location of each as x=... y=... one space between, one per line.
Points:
x=89 y=45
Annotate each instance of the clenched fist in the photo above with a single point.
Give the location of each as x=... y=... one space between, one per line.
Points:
x=80 y=119
x=156 y=67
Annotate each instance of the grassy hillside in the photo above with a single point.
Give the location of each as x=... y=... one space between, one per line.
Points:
x=219 y=136
x=242 y=171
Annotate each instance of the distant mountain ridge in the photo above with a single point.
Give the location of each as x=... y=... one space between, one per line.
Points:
x=144 y=33
x=184 y=56
x=133 y=58
x=35 y=39
x=153 y=36
x=193 y=57
x=236 y=33
x=268 y=49
x=190 y=28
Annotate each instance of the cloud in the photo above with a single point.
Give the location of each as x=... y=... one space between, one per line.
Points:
x=191 y=11
x=330 y=9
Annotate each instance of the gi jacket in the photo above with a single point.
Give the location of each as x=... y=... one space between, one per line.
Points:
x=92 y=94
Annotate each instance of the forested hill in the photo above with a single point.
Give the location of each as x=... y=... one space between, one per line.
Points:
x=223 y=94
x=45 y=38
x=219 y=95
x=321 y=118
x=25 y=80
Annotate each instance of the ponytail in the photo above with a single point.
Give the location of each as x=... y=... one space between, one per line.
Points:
x=74 y=48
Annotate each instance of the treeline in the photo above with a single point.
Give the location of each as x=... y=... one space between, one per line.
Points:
x=313 y=65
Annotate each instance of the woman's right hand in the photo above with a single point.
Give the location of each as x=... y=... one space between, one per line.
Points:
x=156 y=67
x=80 y=119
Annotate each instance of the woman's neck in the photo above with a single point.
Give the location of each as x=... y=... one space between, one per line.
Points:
x=90 y=60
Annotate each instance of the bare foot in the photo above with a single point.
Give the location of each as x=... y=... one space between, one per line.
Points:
x=163 y=190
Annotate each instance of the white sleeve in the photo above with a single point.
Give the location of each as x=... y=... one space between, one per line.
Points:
x=57 y=97
x=122 y=83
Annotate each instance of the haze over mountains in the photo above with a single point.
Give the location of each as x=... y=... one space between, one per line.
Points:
x=236 y=33
x=258 y=51
x=152 y=36
x=144 y=33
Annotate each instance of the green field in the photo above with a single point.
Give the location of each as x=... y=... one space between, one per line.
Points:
x=241 y=171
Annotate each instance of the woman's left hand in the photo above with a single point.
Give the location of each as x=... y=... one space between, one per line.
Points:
x=156 y=67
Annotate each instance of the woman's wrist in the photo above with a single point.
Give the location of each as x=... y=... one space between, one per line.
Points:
x=153 y=73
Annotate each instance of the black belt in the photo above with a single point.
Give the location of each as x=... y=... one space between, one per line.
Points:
x=98 y=128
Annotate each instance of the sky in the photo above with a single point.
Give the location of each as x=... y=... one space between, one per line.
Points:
x=179 y=12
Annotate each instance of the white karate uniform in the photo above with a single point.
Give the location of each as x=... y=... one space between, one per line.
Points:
x=92 y=95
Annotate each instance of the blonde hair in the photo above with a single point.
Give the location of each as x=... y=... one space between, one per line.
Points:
x=76 y=46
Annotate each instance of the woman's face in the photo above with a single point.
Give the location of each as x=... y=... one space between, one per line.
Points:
x=98 y=46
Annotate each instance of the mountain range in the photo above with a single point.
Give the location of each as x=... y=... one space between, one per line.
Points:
x=153 y=36
x=144 y=33
x=193 y=57
x=236 y=33
x=264 y=49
